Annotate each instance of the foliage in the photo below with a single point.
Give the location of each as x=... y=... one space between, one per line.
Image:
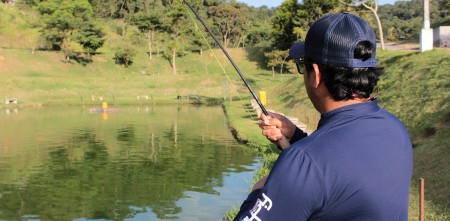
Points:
x=150 y=25
x=372 y=6
x=61 y=18
x=258 y=36
x=124 y=55
x=258 y=30
x=284 y=23
x=66 y=21
x=178 y=33
x=235 y=23
x=293 y=19
x=276 y=59
x=228 y=21
x=404 y=19
x=312 y=10
x=442 y=22
x=90 y=37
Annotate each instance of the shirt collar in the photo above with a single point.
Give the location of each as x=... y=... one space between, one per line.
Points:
x=350 y=110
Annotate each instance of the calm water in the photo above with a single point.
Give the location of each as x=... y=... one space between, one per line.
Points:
x=140 y=163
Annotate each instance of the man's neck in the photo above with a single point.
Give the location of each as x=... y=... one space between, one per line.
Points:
x=329 y=104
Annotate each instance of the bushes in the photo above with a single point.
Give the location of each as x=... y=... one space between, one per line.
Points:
x=124 y=55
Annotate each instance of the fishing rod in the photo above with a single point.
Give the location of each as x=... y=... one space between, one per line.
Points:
x=283 y=142
x=263 y=109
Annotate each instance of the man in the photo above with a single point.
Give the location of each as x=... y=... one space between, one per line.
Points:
x=357 y=165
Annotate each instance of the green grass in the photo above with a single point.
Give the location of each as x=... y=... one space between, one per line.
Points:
x=44 y=79
x=17 y=27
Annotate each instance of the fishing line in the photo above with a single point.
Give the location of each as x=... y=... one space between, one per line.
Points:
x=217 y=59
x=228 y=56
x=283 y=141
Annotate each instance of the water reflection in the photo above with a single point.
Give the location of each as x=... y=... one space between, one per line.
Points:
x=167 y=163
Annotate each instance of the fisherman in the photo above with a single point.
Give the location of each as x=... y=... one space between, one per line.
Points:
x=357 y=165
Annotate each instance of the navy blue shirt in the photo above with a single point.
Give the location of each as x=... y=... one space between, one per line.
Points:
x=356 y=166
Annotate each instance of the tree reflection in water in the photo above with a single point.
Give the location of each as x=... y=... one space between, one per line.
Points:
x=117 y=169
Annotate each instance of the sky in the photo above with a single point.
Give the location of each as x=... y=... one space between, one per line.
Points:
x=276 y=3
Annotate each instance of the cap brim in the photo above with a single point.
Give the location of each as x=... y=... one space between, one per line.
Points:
x=297 y=50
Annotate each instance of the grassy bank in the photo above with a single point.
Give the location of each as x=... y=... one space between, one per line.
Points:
x=242 y=121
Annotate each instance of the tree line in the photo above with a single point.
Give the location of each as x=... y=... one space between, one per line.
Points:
x=168 y=29
x=404 y=19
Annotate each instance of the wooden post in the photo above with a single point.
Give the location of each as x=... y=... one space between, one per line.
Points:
x=422 y=199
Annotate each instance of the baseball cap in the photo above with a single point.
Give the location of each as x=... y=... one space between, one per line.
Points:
x=332 y=39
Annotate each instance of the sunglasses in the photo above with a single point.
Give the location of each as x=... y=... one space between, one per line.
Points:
x=301 y=64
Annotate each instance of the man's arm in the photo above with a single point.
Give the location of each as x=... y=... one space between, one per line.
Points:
x=294 y=191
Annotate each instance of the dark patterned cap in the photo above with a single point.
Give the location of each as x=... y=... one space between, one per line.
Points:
x=332 y=39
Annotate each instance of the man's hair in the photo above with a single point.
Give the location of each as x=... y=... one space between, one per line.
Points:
x=345 y=83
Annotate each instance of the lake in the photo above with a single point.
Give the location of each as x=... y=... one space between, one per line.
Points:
x=136 y=163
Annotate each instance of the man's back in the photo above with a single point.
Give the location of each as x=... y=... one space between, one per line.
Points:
x=356 y=166
x=365 y=158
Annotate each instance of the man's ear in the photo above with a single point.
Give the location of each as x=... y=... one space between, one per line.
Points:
x=317 y=75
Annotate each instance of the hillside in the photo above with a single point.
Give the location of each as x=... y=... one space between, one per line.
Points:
x=40 y=77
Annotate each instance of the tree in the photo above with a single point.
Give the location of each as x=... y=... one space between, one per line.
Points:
x=90 y=37
x=292 y=20
x=276 y=58
x=259 y=32
x=228 y=21
x=258 y=36
x=312 y=10
x=283 y=24
x=149 y=24
x=66 y=20
x=372 y=5
x=177 y=29
x=404 y=19
x=124 y=55
x=197 y=40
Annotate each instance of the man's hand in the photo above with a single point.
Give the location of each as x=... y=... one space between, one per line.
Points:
x=277 y=128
